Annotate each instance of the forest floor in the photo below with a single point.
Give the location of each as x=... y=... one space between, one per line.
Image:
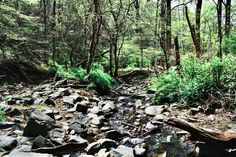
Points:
x=66 y=119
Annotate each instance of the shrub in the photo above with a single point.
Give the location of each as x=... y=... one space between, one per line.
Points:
x=197 y=79
x=2 y=116
x=167 y=86
x=100 y=81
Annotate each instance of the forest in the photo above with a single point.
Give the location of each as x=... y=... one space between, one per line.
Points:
x=117 y=78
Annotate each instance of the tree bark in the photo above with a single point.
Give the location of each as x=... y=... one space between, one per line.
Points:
x=177 y=54
x=219 y=20
x=163 y=32
x=95 y=33
x=222 y=140
x=193 y=35
x=228 y=17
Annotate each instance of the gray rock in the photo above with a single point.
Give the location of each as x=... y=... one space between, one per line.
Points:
x=77 y=127
x=38 y=124
x=8 y=143
x=100 y=144
x=39 y=116
x=28 y=154
x=103 y=153
x=150 y=126
x=82 y=106
x=61 y=92
x=113 y=134
x=77 y=139
x=49 y=101
x=38 y=101
x=138 y=103
x=139 y=150
x=41 y=142
x=135 y=141
x=109 y=106
x=57 y=133
x=154 y=110
x=122 y=151
x=94 y=110
x=93 y=148
x=159 y=117
x=97 y=120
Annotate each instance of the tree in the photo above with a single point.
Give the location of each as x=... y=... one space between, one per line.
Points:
x=96 y=26
x=195 y=29
x=219 y=20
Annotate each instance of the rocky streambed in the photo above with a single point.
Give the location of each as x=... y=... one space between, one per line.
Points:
x=63 y=119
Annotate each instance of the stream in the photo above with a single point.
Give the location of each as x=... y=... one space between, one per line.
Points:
x=126 y=123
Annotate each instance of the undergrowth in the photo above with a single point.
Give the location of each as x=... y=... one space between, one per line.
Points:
x=2 y=116
x=197 y=80
x=99 y=80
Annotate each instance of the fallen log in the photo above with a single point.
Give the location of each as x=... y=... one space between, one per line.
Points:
x=63 y=149
x=223 y=140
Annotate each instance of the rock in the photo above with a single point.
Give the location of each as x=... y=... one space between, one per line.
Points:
x=150 y=126
x=82 y=106
x=61 y=92
x=139 y=150
x=135 y=141
x=6 y=125
x=77 y=127
x=41 y=142
x=49 y=101
x=159 y=117
x=35 y=128
x=28 y=101
x=122 y=151
x=39 y=116
x=14 y=112
x=49 y=112
x=113 y=134
x=28 y=154
x=38 y=124
x=107 y=143
x=78 y=139
x=8 y=143
x=154 y=110
x=103 y=153
x=109 y=106
x=100 y=144
x=97 y=120
x=38 y=101
x=138 y=103
x=93 y=148
x=4 y=107
x=94 y=110
x=72 y=99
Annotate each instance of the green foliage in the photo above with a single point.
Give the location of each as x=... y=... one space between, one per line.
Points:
x=229 y=44
x=197 y=79
x=100 y=81
x=167 y=86
x=2 y=116
x=66 y=72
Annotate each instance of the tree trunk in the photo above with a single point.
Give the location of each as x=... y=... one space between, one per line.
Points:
x=95 y=33
x=177 y=54
x=168 y=27
x=163 y=32
x=54 y=25
x=193 y=35
x=228 y=17
x=45 y=18
x=219 y=19
x=198 y=25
